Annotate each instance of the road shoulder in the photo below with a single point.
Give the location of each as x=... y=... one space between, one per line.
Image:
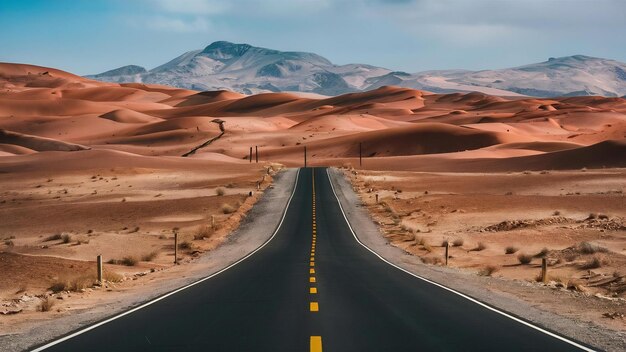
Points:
x=257 y=227
x=495 y=292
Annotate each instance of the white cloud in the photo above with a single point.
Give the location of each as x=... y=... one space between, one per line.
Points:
x=181 y=25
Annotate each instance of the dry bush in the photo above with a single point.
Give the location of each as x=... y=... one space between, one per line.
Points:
x=445 y=243
x=112 y=276
x=420 y=240
x=45 y=305
x=55 y=237
x=510 y=249
x=488 y=270
x=428 y=247
x=588 y=248
x=162 y=237
x=230 y=185
x=524 y=258
x=76 y=284
x=593 y=263
x=9 y=243
x=458 y=242
x=59 y=286
x=203 y=231
x=542 y=253
x=186 y=245
x=220 y=191
x=148 y=257
x=479 y=247
x=227 y=208
x=556 y=213
x=66 y=238
x=128 y=261
x=570 y=257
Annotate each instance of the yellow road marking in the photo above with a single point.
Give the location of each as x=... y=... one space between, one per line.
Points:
x=312 y=279
x=316 y=344
x=312 y=259
x=314 y=307
x=313 y=290
x=311 y=271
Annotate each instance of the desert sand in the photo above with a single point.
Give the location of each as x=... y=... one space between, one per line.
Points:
x=90 y=168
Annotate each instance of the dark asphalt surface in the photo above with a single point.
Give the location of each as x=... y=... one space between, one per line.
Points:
x=263 y=303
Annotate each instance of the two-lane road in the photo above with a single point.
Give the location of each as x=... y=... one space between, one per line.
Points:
x=313 y=287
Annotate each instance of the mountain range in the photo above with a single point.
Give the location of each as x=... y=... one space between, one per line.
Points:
x=248 y=69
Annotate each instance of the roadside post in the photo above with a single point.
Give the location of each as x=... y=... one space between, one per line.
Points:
x=251 y=154
x=99 y=261
x=544 y=270
x=447 y=251
x=175 y=247
x=256 y=153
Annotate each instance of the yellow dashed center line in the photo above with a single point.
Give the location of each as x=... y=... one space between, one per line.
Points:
x=316 y=344
x=313 y=290
x=312 y=279
x=314 y=307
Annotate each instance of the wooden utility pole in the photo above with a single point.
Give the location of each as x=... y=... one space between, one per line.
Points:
x=256 y=153
x=360 y=155
x=175 y=247
x=305 y=156
x=250 y=154
x=99 y=261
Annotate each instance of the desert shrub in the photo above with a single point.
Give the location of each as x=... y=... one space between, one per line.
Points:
x=55 y=237
x=66 y=238
x=593 y=263
x=111 y=276
x=445 y=243
x=220 y=191
x=148 y=257
x=588 y=248
x=458 y=242
x=204 y=231
x=58 y=286
x=81 y=283
x=230 y=185
x=162 y=237
x=46 y=304
x=9 y=243
x=556 y=213
x=185 y=245
x=510 y=249
x=542 y=253
x=227 y=208
x=524 y=258
x=428 y=247
x=128 y=261
x=488 y=270
x=420 y=240
x=479 y=247
x=432 y=260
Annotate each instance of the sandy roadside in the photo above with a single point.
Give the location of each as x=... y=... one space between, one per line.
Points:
x=257 y=227
x=540 y=305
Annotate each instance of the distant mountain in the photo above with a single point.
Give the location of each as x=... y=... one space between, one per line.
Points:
x=249 y=69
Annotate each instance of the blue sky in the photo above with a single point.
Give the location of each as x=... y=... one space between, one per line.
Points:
x=91 y=36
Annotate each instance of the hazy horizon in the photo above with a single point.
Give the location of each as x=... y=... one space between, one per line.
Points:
x=406 y=35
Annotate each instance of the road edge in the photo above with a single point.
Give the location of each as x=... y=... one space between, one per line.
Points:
x=275 y=201
x=367 y=233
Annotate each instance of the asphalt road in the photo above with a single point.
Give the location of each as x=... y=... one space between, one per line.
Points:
x=313 y=288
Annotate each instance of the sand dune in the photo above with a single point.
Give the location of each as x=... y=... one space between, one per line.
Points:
x=51 y=110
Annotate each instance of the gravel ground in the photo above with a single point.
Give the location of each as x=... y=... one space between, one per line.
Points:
x=495 y=292
x=258 y=226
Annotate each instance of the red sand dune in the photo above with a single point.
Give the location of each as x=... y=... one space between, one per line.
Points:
x=49 y=110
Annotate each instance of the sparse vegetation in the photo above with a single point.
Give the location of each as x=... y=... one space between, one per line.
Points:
x=510 y=249
x=9 y=243
x=445 y=243
x=66 y=238
x=593 y=263
x=488 y=270
x=458 y=242
x=227 y=208
x=220 y=191
x=204 y=231
x=128 y=261
x=524 y=258
x=45 y=305
x=428 y=247
x=185 y=245
x=589 y=248
x=148 y=257
x=230 y=185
